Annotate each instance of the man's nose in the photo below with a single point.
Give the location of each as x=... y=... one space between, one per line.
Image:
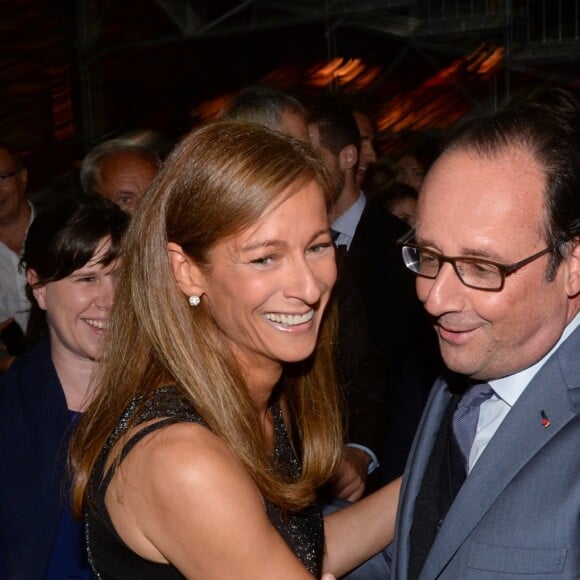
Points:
x=445 y=293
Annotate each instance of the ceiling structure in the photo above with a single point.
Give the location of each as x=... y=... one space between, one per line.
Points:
x=77 y=71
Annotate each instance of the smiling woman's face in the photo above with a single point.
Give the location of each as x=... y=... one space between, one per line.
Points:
x=78 y=306
x=268 y=286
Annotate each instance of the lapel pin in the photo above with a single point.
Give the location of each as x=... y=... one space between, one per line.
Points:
x=545 y=420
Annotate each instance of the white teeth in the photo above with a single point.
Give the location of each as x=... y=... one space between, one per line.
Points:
x=290 y=319
x=100 y=324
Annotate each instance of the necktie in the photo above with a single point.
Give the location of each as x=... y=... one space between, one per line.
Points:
x=334 y=234
x=465 y=419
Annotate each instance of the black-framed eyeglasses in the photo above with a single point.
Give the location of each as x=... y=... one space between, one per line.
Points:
x=475 y=273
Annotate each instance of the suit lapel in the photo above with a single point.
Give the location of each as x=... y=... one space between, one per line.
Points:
x=520 y=436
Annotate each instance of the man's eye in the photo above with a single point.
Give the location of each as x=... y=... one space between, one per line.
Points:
x=480 y=269
x=427 y=259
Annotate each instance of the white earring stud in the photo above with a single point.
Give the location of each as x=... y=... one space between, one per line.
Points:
x=194 y=300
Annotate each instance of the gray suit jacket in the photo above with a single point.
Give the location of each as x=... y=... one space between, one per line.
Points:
x=518 y=513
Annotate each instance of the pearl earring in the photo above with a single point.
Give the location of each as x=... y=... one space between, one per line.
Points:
x=194 y=300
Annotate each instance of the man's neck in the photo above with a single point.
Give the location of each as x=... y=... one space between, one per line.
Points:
x=347 y=198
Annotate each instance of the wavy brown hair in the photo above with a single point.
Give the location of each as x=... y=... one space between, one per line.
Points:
x=218 y=181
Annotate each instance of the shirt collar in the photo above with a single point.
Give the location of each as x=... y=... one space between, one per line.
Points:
x=510 y=388
x=346 y=223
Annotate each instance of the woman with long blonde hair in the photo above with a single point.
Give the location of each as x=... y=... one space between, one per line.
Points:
x=217 y=416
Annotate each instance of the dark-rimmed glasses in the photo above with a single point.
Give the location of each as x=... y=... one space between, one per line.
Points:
x=475 y=273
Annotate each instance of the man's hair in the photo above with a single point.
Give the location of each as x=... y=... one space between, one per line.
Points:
x=91 y=166
x=263 y=106
x=392 y=192
x=13 y=152
x=336 y=123
x=548 y=127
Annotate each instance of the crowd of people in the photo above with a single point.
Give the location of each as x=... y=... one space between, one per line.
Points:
x=260 y=358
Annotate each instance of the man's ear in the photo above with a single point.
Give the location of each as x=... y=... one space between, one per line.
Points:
x=39 y=292
x=348 y=157
x=23 y=178
x=186 y=272
x=573 y=270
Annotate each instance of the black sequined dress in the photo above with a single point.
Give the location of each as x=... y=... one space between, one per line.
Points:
x=109 y=556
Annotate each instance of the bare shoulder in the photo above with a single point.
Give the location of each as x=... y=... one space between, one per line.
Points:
x=182 y=496
x=178 y=463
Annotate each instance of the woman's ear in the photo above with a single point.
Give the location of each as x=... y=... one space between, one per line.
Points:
x=188 y=275
x=39 y=292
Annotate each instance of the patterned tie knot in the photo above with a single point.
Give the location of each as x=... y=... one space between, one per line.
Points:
x=466 y=417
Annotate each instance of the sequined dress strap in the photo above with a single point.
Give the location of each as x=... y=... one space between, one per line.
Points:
x=302 y=531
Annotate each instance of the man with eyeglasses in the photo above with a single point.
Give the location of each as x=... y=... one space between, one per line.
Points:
x=492 y=485
x=16 y=214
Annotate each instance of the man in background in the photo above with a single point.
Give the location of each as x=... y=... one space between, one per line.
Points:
x=270 y=107
x=397 y=326
x=367 y=153
x=358 y=366
x=120 y=171
x=16 y=215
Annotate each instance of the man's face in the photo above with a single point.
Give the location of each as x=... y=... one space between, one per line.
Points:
x=491 y=208
x=367 y=155
x=294 y=124
x=330 y=160
x=125 y=176
x=12 y=187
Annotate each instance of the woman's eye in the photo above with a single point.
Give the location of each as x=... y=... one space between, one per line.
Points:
x=317 y=248
x=263 y=261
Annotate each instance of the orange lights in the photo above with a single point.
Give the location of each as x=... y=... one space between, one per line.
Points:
x=342 y=72
x=436 y=103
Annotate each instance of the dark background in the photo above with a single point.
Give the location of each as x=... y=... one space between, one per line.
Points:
x=74 y=72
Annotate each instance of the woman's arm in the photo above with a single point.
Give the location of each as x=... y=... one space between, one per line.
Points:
x=180 y=496
x=357 y=532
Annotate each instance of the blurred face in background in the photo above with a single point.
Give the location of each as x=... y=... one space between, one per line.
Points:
x=405 y=209
x=367 y=155
x=78 y=306
x=410 y=171
x=12 y=187
x=125 y=176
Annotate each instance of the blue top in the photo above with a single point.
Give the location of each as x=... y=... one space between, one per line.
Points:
x=35 y=427
x=69 y=555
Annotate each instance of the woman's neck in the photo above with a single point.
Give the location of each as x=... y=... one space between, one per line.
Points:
x=261 y=383
x=75 y=375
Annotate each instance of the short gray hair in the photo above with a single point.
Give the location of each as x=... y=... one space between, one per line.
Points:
x=91 y=166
